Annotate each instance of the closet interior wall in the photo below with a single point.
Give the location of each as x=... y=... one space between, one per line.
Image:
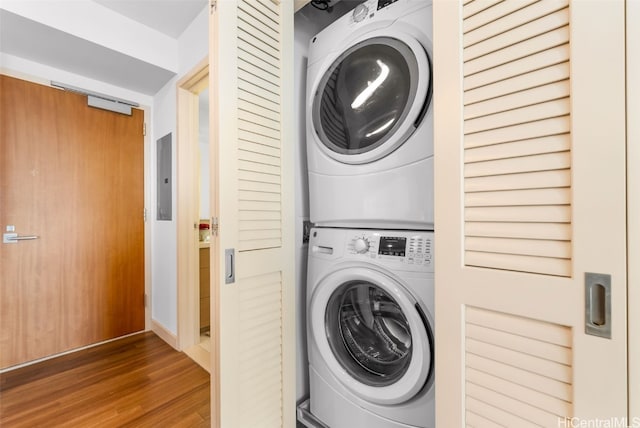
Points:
x=309 y=21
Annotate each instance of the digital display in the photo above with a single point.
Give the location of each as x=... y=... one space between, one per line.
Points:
x=390 y=246
x=385 y=3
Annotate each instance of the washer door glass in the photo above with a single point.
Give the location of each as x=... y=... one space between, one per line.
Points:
x=365 y=95
x=368 y=333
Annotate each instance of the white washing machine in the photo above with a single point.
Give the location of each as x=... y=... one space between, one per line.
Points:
x=370 y=328
x=370 y=119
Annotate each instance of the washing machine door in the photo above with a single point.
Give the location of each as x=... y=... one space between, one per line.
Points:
x=372 y=334
x=371 y=98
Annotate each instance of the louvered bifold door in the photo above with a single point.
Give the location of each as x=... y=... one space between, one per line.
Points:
x=517 y=137
x=530 y=196
x=251 y=57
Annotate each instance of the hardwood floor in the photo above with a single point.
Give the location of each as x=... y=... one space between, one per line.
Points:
x=138 y=381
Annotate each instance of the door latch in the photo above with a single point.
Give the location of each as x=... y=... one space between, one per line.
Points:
x=229 y=266
x=597 y=308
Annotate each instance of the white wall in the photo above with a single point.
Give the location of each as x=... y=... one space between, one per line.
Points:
x=163 y=233
x=193 y=46
x=33 y=71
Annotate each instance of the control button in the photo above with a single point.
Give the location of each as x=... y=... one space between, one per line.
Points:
x=360 y=12
x=361 y=245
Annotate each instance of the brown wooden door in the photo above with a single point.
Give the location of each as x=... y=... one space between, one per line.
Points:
x=72 y=175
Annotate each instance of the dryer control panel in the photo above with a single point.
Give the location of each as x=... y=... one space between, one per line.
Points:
x=404 y=247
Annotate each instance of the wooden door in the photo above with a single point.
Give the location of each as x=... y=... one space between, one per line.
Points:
x=253 y=316
x=530 y=196
x=73 y=176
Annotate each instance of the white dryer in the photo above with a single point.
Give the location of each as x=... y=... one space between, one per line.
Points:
x=370 y=120
x=370 y=328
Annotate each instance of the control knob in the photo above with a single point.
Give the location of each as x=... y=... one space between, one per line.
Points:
x=361 y=245
x=360 y=12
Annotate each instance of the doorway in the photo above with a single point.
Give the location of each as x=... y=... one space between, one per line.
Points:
x=195 y=211
x=71 y=206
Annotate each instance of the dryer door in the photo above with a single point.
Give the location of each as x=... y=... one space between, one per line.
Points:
x=372 y=335
x=371 y=98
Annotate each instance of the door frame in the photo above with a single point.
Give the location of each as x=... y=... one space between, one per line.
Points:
x=148 y=203
x=633 y=208
x=188 y=89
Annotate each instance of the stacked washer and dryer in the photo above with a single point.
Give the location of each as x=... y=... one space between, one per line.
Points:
x=370 y=285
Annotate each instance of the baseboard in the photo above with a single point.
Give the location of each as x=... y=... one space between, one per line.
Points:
x=164 y=334
x=198 y=354
x=70 y=351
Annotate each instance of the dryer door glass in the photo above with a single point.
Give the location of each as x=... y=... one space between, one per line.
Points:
x=368 y=333
x=365 y=95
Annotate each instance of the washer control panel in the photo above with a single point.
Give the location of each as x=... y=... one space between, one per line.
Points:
x=409 y=248
x=419 y=250
x=385 y=3
x=392 y=246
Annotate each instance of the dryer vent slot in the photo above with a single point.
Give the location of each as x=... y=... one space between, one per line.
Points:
x=322 y=250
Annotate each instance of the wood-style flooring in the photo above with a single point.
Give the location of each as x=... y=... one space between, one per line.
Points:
x=138 y=381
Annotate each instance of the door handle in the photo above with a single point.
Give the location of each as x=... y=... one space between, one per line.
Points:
x=229 y=266
x=13 y=238
x=597 y=316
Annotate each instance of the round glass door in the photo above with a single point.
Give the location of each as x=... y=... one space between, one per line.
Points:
x=365 y=96
x=368 y=333
x=371 y=335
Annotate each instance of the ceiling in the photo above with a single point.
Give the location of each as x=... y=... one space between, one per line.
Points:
x=170 y=17
x=32 y=40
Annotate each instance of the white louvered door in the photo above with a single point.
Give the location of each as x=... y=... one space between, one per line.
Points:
x=530 y=195
x=253 y=367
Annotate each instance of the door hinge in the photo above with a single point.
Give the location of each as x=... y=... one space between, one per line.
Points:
x=144 y=129
x=144 y=215
x=214 y=226
x=214 y=6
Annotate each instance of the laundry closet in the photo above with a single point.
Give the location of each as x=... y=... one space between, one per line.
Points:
x=532 y=313
x=363 y=89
